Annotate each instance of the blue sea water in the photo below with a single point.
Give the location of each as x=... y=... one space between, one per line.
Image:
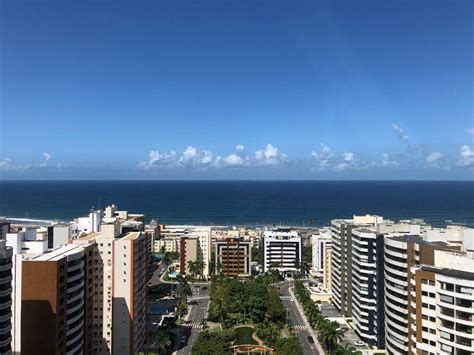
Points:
x=243 y=202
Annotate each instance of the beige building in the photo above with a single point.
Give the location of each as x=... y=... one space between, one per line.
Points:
x=120 y=280
x=56 y=302
x=327 y=268
x=188 y=252
x=444 y=317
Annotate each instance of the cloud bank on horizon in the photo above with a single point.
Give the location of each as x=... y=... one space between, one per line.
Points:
x=320 y=160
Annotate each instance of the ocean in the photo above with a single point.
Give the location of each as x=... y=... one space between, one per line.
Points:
x=254 y=203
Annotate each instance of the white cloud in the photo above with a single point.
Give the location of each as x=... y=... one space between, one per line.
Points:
x=341 y=166
x=234 y=160
x=46 y=157
x=7 y=164
x=349 y=157
x=470 y=130
x=240 y=148
x=270 y=156
x=401 y=134
x=466 y=158
x=155 y=158
x=388 y=161
x=433 y=157
x=195 y=158
x=323 y=157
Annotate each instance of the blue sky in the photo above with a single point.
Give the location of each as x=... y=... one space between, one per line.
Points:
x=236 y=90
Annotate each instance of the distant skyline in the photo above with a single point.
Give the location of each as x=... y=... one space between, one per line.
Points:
x=347 y=90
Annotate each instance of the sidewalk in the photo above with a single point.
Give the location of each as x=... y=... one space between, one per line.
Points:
x=308 y=326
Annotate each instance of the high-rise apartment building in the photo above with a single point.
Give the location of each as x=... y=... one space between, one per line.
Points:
x=402 y=254
x=188 y=252
x=129 y=293
x=4 y=228
x=444 y=312
x=341 y=259
x=327 y=271
x=6 y=254
x=320 y=243
x=120 y=265
x=203 y=234
x=282 y=250
x=233 y=257
x=367 y=265
x=56 y=295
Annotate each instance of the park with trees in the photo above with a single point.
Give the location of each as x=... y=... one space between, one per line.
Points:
x=254 y=304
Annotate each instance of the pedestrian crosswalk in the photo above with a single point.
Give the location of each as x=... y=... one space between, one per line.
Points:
x=299 y=327
x=194 y=325
x=195 y=298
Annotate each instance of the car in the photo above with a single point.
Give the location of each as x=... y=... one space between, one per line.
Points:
x=310 y=339
x=204 y=287
x=183 y=339
x=359 y=343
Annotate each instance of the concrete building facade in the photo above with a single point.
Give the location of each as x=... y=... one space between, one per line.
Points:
x=6 y=255
x=282 y=250
x=233 y=257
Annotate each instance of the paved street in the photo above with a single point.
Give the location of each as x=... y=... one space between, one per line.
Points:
x=198 y=309
x=297 y=320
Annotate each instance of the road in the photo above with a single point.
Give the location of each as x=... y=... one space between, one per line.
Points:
x=198 y=304
x=297 y=320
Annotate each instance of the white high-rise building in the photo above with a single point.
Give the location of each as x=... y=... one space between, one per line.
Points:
x=341 y=259
x=203 y=234
x=24 y=243
x=320 y=243
x=282 y=250
x=444 y=317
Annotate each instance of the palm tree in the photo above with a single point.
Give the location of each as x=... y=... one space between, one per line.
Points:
x=183 y=290
x=199 y=265
x=161 y=342
x=347 y=349
x=192 y=267
x=330 y=335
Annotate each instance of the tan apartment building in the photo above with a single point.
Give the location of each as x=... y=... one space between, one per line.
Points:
x=120 y=266
x=188 y=252
x=56 y=295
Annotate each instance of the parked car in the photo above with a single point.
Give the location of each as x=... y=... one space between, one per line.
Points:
x=310 y=339
x=359 y=343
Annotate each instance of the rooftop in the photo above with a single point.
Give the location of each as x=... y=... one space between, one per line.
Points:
x=59 y=253
x=459 y=274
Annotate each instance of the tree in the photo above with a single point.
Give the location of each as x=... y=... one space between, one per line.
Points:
x=216 y=342
x=330 y=335
x=192 y=267
x=289 y=346
x=161 y=342
x=276 y=313
x=183 y=290
x=347 y=349
x=268 y=332
x=199 y=267
x=255 y=254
